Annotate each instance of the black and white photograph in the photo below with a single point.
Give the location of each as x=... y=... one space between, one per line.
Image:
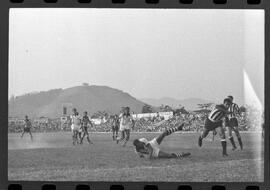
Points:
x=160 y=95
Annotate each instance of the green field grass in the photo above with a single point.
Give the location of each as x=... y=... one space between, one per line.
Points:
x=53 y=157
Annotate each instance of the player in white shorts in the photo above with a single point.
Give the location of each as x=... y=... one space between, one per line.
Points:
x=151 y=149
x=75 y=126
x=126 y=124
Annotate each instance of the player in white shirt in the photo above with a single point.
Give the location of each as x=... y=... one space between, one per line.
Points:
x=150 y=149
x=75 y=126
x=126 y=124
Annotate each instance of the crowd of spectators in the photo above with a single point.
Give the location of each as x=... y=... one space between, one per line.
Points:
x=194 y=122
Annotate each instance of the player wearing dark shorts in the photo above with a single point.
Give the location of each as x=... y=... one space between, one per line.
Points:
x=214 y=121
x=150 y=149
x=85 y=122
x=232 y=124
x=27 y=127
x=115 y=127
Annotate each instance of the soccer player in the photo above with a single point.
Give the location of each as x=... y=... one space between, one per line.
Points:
x=115 y=127
x=75 y=125
x=126 y=123
x=232 y=124
x=150 y=149
x=214 y=121
x=27 y=127
x=85 y=122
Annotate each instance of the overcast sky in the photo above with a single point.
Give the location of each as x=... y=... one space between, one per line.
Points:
x=149 y=53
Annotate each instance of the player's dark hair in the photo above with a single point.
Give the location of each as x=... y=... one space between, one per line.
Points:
x=138 y=145
x=135 y=142
x=85 y=112
x=227 y=100
x=127 y=114
x=230 y=96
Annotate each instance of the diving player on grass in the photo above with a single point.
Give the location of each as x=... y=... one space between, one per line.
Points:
x=150 y=149
x=214 y=121
x=85 y=122
x=27 y=127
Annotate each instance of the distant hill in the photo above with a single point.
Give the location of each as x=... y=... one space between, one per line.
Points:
x=189 y=104
x=89 y=98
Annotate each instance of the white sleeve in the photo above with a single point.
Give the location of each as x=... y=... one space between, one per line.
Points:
x=144 y=140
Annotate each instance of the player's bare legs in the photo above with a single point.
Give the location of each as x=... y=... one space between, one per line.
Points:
x=87 y=137
x=231 y=138
x=31 y=136
x=114 y=134
x=221 y=133
x=127 y=135
x=235 y=129
x=75 y=137
x=168 y=132
x=22 y=134
x=160 y=138
x=122 y=136
x=79 y=139
x=85 y=133
x=203 y=135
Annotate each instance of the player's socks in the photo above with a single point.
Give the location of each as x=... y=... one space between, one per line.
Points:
x=224 y=147
x=240 y=142
x=181 y=155
x=172 y=130
x=232 y=142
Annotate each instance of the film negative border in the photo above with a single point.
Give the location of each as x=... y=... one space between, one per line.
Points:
x=224 y=2
x=193 y=4
x=217 y=4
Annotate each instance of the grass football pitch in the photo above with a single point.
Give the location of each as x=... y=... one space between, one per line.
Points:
x=52 y=157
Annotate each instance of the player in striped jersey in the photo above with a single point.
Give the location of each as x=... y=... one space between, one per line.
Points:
x=27 y=127
x=150 y=149
x=214 y=121
x=232 y=123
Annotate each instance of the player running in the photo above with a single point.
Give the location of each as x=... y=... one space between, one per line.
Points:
x=115 y=127
x=126 y=123
x=150 y=149
x=27 y=127
x=214 y=121
x=85 y=123
x=232 y=123
x=75 y=125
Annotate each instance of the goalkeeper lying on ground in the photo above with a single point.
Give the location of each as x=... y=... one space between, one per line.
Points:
x=150 y=149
